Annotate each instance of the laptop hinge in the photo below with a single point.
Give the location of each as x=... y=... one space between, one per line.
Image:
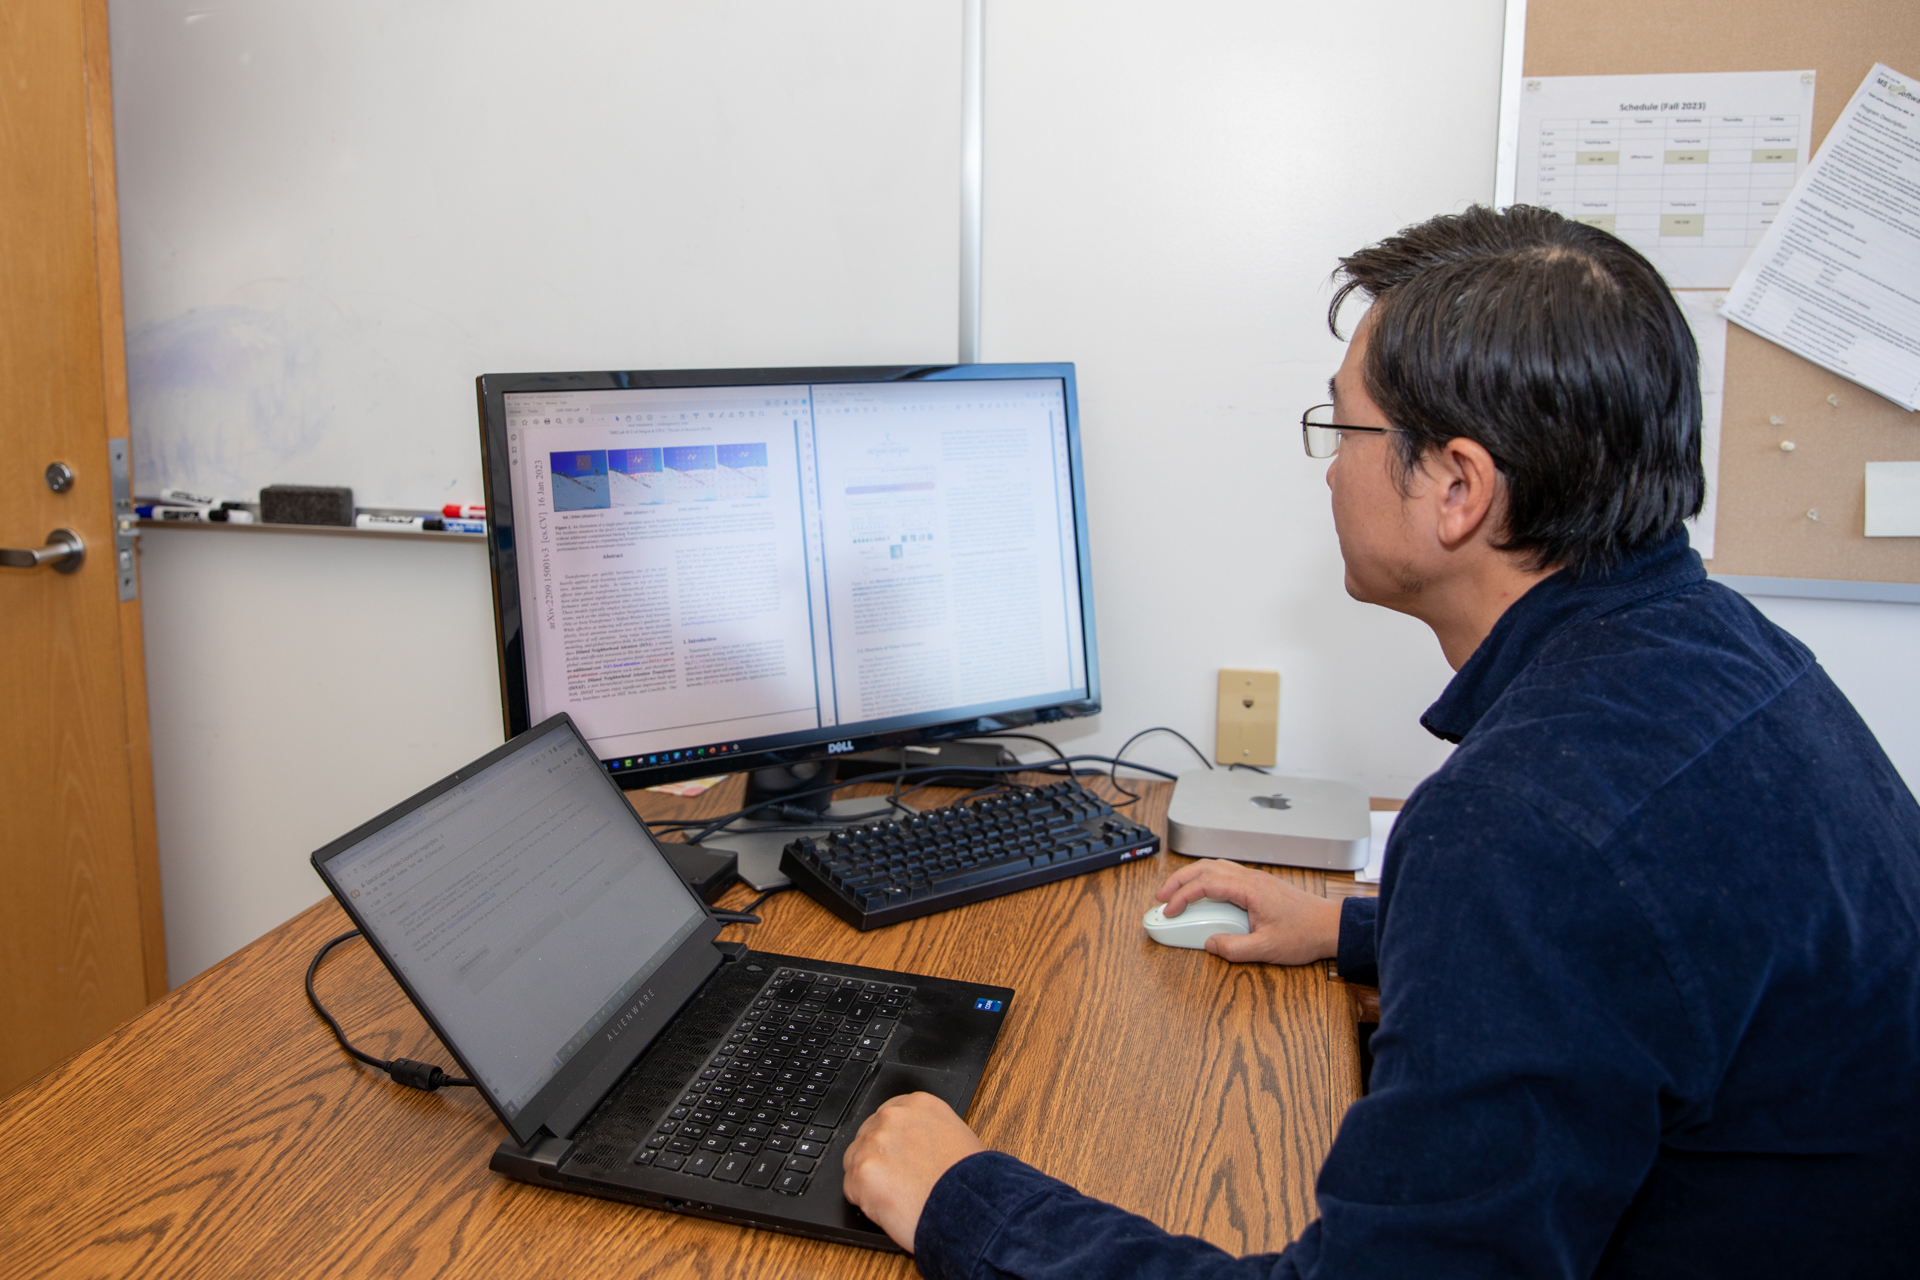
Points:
x=731 y=952
x=533 y=1162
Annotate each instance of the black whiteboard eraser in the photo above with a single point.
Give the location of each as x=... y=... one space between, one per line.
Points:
x=306 y=504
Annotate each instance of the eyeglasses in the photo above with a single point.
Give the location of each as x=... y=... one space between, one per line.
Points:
x=1322 y=434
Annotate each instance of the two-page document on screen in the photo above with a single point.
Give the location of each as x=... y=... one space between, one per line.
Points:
x=1691 y=170
x=1837 y=279
x=721 y=564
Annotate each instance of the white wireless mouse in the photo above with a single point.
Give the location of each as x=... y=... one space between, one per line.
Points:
x=1192 y=927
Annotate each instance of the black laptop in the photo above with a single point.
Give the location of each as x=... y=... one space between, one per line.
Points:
x=528 y=913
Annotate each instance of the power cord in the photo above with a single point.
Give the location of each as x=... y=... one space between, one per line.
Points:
x=1113 y=775
x=423 y=1076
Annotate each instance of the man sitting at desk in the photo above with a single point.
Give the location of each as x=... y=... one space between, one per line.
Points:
x=1648 y=944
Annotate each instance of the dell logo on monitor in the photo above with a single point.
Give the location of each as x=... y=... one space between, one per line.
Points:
x=1273 y=802
x=835 y=748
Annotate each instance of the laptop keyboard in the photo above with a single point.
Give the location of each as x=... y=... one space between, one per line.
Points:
x=766 y=1106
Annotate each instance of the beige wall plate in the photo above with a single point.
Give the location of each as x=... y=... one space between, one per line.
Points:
x=1247 y=726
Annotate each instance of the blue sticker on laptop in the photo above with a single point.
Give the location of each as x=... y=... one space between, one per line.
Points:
x=991 y=1006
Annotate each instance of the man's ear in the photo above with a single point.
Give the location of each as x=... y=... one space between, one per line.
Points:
x=1468 y=492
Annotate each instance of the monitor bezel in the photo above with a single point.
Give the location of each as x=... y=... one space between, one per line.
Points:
x=502 y=555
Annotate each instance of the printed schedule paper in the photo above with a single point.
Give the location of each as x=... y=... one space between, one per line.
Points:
x=1837 y=278
x=1691 y=170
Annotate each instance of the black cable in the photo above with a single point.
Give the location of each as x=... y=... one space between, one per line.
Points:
x=1048 y=743
x=1250 y=768
x=423 y=1076
x=1113 y=775
x=755 y=904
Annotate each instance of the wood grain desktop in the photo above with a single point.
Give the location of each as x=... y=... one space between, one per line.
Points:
x=223 y=1133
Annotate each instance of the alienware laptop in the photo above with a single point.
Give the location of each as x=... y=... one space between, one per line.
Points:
x=530 y=916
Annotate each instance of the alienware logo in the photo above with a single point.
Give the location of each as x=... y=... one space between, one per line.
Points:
x=1273 y=802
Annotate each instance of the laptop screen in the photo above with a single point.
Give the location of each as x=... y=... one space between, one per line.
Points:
x=523 y=906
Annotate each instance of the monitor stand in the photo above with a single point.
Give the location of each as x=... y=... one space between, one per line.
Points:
x=757 y=847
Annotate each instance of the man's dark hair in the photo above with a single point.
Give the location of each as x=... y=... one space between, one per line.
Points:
x=1558 y=349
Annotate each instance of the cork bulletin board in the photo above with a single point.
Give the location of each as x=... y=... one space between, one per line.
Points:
x=1764 y=528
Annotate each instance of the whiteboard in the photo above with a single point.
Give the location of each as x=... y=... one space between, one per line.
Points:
x=336 y=213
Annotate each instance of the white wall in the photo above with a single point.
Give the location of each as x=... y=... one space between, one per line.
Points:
x=298 y=685
x=1167 y=190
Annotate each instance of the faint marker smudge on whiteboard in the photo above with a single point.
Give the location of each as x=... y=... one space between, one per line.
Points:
x=220 y=395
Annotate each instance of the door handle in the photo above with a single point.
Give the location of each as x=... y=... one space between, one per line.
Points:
x=64 y=551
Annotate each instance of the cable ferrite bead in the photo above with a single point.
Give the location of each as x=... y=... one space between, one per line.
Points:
x=423 y=1076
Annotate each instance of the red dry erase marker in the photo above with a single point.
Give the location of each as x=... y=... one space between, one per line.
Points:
x=464 y=511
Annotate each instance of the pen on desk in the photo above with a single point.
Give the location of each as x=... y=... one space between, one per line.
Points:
x=464 y=511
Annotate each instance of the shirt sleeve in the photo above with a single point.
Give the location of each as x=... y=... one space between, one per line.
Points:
x=1356 y=960
x=1521 y=1072
x=992 y=1217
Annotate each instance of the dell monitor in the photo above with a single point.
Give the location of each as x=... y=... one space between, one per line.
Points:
x=715 y=571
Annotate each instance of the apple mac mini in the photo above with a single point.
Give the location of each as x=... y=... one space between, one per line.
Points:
x=1252 y=817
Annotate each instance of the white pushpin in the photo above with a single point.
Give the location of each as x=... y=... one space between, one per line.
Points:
x=1812 y=514
x=1786 y=446
x=1834 y=400
x=1777 y=420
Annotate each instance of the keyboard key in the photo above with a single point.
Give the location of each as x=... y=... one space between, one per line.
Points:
x=801 y=1164
x=791 y=1183
x=682 y=1146
x=781 y=1142
x=668 y=1160
x=788 y=1129
x=731 y=1166
x=750 y=1146
x=804 y=1147
x=815 y=1133
x=645 y=1155
x=762 y=1172
x=701 y=1164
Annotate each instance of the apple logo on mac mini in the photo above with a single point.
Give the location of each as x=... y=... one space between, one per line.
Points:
x=1275 y=801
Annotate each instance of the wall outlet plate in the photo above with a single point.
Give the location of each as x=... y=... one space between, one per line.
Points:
x=1247 y=726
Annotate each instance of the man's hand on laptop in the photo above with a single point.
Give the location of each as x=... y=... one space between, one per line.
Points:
x=1289 y=925
x=897 y=1156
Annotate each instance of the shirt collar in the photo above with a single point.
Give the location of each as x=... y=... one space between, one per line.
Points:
x=1554 y=603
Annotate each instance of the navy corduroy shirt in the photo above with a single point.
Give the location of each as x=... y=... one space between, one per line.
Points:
x=1648 y=949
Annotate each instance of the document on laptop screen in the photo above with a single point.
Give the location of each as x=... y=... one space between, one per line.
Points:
x=523 y=907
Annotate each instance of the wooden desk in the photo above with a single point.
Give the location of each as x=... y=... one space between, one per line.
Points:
x=222 y=1132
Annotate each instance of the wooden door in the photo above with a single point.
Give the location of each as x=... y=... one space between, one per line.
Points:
x=81 y=946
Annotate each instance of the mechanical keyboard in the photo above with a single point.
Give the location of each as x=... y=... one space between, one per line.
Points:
x=881 y=873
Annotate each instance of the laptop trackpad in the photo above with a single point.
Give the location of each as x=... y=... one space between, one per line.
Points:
x=955 y=1088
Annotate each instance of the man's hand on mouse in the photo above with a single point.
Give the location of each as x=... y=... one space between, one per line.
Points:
x=899 y=1153
x=1286 y=925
